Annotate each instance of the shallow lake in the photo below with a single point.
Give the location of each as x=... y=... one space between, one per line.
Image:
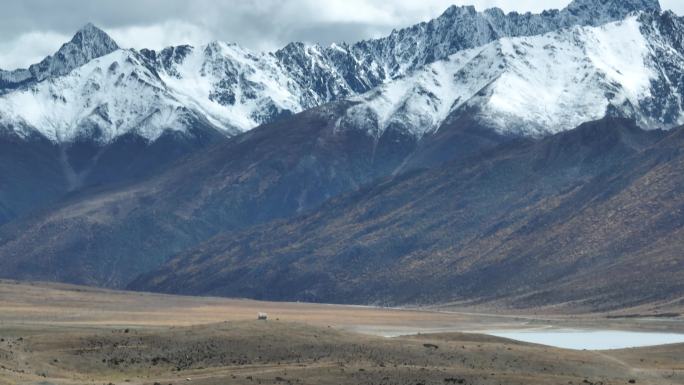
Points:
x=590 y=339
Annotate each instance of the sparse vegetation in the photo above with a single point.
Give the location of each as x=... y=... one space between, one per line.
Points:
x=58 y=334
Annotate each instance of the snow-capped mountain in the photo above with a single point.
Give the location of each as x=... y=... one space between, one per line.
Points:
x=103 y=99
x=462 y=27
x=116 y=160
x=544 y=84
x=234 y=88
x=92 y=88
x=89 y=43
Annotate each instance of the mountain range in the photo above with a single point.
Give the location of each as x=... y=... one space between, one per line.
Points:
x=93 y=89
x=533 y=159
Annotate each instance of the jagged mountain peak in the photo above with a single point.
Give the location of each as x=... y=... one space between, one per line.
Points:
x=222 y=49
x=614 y=9
x=217 y=45
x=464 y=27
x=91 y=36
x=614 y=6
x=87 y=44
x=459 y=10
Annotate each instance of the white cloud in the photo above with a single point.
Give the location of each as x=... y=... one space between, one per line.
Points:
x=675 y=5
x=29 y=48
x=172 y=32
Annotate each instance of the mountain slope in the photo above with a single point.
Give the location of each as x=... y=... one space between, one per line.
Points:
x=281 y=169
x=30 y=175
x=107 y=122
x=108 y=235
x=36 y=173
x=92 y=114
x=139 y=191
x=582 y=216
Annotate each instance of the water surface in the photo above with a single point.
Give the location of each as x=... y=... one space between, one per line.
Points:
x=590 y=339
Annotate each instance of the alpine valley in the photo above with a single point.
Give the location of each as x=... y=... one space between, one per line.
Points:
x=523 y=160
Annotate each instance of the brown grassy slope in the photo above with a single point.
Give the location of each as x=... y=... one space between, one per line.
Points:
x=107 y=236
x=592 y=218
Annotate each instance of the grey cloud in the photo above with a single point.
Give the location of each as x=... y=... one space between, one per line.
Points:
x=252 y=23
x=256 y=24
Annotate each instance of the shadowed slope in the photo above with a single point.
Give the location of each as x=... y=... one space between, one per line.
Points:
x=584 y=215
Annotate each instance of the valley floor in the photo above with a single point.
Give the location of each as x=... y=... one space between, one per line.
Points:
x=59 y=334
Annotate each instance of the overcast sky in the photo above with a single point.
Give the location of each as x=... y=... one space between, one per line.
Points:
x=32 y=29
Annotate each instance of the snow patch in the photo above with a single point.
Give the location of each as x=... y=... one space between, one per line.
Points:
x=107 y=97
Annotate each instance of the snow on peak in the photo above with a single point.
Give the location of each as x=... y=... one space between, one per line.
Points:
x=529 y=86
x=92 y=38
x=425 y=72
x=87 y=44
x=234 y=88
x=101 y=100
x=557 y=81
x=463 y=27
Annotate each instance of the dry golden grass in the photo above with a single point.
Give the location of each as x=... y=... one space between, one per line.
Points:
x=60 y=334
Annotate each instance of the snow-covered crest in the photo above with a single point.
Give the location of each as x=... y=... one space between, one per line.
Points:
x=87 y=44
x=232 y=87
x=426 y=71
x=534 y=86
x=108 y=97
